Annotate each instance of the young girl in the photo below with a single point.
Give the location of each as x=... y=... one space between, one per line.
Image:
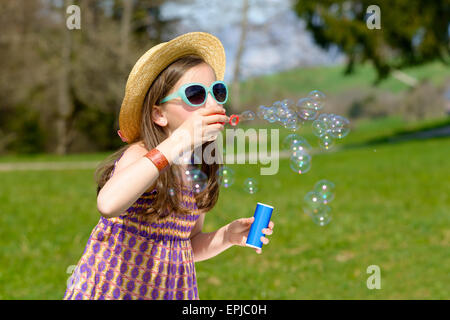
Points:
x=147 y=240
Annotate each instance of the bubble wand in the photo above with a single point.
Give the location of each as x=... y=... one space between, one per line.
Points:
x=236 y=118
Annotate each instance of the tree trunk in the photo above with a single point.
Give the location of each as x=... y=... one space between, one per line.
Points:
x=125 y=28
x=65 y=106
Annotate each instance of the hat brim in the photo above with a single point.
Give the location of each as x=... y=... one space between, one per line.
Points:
x=155 y=60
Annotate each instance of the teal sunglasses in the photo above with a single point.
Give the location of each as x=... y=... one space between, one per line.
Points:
x=195 y=94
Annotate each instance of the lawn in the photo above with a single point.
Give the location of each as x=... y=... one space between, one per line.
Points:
x=391 y=209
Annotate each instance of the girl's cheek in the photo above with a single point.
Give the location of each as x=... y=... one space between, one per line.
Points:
x=178 y=118
x=177 y=115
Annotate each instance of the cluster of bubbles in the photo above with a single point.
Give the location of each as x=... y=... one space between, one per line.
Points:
x=299 y=148
x=292 y=115
x=328 y=127
x=316 y=202
x=282 y=112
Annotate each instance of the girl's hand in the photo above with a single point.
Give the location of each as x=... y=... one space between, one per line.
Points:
x=237 y=232
x=201 y=126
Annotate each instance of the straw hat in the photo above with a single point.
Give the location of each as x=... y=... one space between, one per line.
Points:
x=155 y=60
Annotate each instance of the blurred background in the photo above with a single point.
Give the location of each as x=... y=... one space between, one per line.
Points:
x=60 y=96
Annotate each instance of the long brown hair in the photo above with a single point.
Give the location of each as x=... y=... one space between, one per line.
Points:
x=152 y=135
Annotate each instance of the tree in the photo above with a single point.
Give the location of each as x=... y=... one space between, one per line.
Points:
x=411 y=33
x=60 y=89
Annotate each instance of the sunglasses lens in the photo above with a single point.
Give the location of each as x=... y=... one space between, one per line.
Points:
x=220 y=92
x=195 y=94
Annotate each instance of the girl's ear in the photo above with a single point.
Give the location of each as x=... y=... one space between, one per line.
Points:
x=158 y=116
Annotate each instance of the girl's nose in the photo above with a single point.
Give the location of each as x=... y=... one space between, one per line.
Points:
x=210 y=101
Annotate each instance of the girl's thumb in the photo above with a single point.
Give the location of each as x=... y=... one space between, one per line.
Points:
x=242 y=224
x=249 y=220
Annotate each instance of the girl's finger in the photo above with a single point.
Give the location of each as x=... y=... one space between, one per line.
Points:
x=264 y=240
x=258 y=251
x=215 y=118
x=267 y=231
x=247 y=221
x=271 y=225
x=241 y=225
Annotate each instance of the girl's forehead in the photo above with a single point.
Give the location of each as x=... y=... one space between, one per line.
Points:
x=201 y=73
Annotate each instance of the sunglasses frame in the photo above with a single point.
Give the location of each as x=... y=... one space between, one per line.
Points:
x=181 y=92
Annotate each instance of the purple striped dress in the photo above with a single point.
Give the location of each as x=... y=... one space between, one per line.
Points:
x=127 y=257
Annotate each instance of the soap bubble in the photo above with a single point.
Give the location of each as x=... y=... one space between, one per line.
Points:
x=247 y=115
x=326 y=141
x=286 y=116
x=308 y=103
x=329 y=126
x=287 y=104
x=261 y=111
x=326 y=119
x=271 y=115
x=340 y=133
x=337 y=121
x=317 y=208
x=320 y=215
x=282 y=114
x=300 y=162
x=324 y=185
x=300 y=145
x=305 y=103
x=172 y=192
x=250 y=185
x=292 y=123
x=277 y=104
x=313 y=200
x=287 y=142
x=317 y=96
x=225 y=176
x=307 y=114
x=314 y=204
x=196 y=179
x=339 y=126
x=319 y=128
x=290 y=114
x=325 y=189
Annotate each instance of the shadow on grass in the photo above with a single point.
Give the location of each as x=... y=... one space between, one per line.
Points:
x=435 y=130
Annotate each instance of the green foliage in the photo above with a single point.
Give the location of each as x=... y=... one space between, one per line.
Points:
x=412 y=32
x=28 y=135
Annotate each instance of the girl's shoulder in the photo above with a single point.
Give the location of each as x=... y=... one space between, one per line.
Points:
x=133 y=153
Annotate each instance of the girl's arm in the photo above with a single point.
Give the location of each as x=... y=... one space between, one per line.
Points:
x=134 y=174
x=208 y=245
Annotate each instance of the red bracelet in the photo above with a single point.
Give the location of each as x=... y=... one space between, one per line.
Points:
x=158 y=159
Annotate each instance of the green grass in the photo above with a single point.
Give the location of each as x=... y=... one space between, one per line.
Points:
x=391 y=209
x=43 y=157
